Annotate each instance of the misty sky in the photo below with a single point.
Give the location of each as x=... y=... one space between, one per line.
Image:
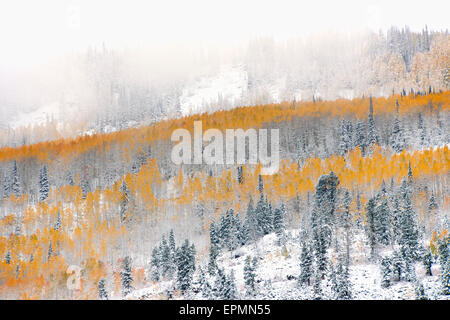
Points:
x=33 y=32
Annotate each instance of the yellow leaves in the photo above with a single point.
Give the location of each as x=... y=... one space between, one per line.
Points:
x=122 y=230
x=28 y=296
x=285 y=252
x=8 y=220
x=433 y=243
x=77 y=234
x=138 y=276
x=130 y=140
x=91 y=225
x=290 y=181
x=225 y=186
x=112 y=195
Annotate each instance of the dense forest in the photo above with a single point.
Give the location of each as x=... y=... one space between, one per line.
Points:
x=105 y=89
x=363 y=183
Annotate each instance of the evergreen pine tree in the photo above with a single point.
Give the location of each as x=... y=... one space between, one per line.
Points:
x=212 y=264
x=155 y=264
x=343 y=281
x=334 y=281
x=432 y=205
x=172 y=242
x=346 y=222
x=50 y=251
x=231 y=290
x=260 y=184
x=371 y=227
x=360 y=137
x=43 y=184
x=123 y=201
x=255 y=264
x=226 y=225
x=343 y=145
x=225 y=286
x=350 y=139
x=383 y=217
x=427 y=262
x=213 y=235
x=443 y=251
x=268 y=220
x=391 y=189
x=317 y=288
x=205 y=287
x=397 y=138
x=260 y=216
x=166 y=260
x=126 y=275
x=249 y=277
x=386 y=272
x=186 y=266
x=234 y=228
x=320 y=250
x=237 y=227
x=325 y=199
x=346 y=137
x=102 y=294
x=85 y=187
x=358 y=209
x=240 y=175
x=278 y=219
x=446 y=278
x=219 y=284
x=135 y=167
x=172 y=253
x=58 y=221
x=410 y=174
x=409 y=237
x=263 y=214
x=306 y=260
x=410 y=272
x=420 y=292
x=397 y=266
x=372 y=134
x=396 y=215
x=251 y=221
x=243 y=234
x=8 y=257
x=322 y=218
x=6 y=187
x=422 y=131
x=69 y=179
x=15 y=186
x=18 y=229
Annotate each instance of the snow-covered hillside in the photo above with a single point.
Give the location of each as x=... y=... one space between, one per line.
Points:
x=279 y=267
x=229 y=85
x=40 y=116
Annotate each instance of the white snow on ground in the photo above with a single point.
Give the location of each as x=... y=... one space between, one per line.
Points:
x=277 y=275
x=228 y=85
x=275 y=90
x=225 y=89
x=41 y=116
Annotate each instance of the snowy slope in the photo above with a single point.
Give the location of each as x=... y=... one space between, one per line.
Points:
x=40 y=116
x=277 y=275
x=228 y=88
x=228 y=85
